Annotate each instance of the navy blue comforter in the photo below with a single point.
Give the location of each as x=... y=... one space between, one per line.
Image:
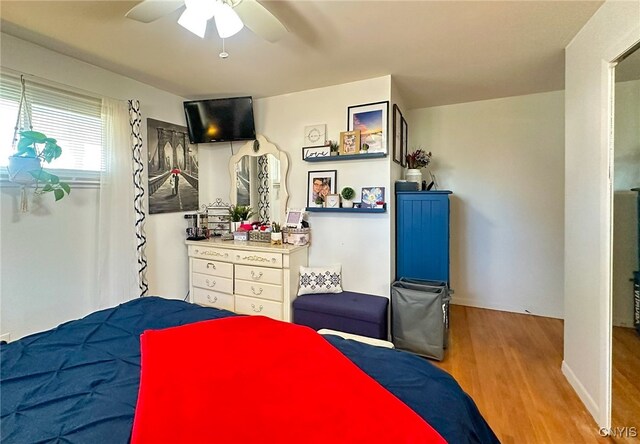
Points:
x=78 y=383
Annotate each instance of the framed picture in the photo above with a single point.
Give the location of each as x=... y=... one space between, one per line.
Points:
x=314 y=152
x=332 y=201
x=294 y=218
x=320 y=185
x=373 y=122
x=372 y=197
x=349 y=142
x=315 y=135
x=405 y=142
x=397 y=134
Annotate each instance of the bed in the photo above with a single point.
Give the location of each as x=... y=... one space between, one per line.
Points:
x=79 y=381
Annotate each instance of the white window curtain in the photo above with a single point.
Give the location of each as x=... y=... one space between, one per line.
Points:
x=117 y=260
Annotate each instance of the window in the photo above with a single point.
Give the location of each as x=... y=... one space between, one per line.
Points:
x=71 y=118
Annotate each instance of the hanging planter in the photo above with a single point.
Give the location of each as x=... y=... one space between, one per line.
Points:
x=20 y=169
x=33 y=148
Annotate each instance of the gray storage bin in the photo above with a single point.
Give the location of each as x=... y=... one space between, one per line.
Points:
x=420 y=316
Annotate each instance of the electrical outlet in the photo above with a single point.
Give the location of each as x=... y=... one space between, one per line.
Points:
x=5 y=337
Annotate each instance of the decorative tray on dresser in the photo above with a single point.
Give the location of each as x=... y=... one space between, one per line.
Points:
x=245 y=277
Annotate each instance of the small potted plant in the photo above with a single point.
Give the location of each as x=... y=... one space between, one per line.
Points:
x=334 y=148
x=239 y=214
x=347 y=194
x=25 y=166
x=364 y=148
x=276 y=234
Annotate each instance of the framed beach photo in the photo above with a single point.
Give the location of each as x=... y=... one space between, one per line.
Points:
x=320 y=184
x=371 y=119
x=397 y=134
x=404 y=129
x=349 y=142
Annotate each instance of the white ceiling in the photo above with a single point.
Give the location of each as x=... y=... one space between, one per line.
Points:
x=439 y=52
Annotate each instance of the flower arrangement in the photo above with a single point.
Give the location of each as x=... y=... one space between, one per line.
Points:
x=418 y=159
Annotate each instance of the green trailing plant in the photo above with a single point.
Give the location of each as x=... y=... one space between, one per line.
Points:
x=348 y=193
x=33 y=144
x=319 y=200
x=334 y=147
x=275 y=227
x=239 y=213
x=365 y=147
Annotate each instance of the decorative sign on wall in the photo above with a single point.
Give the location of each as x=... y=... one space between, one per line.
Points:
x=172 y=168
x=315 y=135
x=315 y=152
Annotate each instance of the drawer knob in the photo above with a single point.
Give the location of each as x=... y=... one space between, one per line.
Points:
x=210 y=283
x=214 y=300
x=253 y=290
x=253 y=307
x=256 y=277
x=211 y=265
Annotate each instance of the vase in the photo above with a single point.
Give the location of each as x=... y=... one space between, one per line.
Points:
x=235 y=226
x=413 y=175
x=347 y=203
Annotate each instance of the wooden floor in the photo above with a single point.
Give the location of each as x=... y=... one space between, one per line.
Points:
x=625 y=401
x=510 y=365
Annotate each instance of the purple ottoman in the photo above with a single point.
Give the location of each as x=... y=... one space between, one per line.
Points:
x=356 y=313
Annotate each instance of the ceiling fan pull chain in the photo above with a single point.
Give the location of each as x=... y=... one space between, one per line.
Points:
x=223 y=54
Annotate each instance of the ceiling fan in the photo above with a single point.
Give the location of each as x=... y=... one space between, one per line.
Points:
x=230 y=16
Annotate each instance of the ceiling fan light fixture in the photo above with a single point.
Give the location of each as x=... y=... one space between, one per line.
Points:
x=204 y=9
x=193 y=22
x=228 y=22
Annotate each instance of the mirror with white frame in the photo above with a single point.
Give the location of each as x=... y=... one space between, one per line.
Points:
x=258 y=174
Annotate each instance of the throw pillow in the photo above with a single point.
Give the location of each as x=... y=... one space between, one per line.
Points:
x=314 y=280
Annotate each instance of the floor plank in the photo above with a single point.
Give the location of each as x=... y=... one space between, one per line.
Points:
x=510 y=365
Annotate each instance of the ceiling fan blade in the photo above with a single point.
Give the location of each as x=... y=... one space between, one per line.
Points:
x=150 y=10
x=258 y=19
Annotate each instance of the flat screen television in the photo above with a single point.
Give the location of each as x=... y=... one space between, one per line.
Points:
x=220 y=120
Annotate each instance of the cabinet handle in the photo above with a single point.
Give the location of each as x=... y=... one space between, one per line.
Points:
x=211 y=265
x=253 y=290
x=256 y=277
x=215 y=299
x=210 y=283
x=253 y=307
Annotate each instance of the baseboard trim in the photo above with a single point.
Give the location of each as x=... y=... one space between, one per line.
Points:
x=456 y=300
x=584 y=396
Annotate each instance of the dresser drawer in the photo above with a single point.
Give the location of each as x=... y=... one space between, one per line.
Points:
x=254 y=306
x=212 y=283
x=254 y=258
x=259 y=290
x=259 y=274
x=213 y=299
x=204 y=252
x=214 y=268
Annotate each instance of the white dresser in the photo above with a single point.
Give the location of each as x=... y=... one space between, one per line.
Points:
x=245 y=277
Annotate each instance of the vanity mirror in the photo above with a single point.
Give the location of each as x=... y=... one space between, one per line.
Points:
x=258 y=174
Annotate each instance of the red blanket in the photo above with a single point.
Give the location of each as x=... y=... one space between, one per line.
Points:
x=255 y=380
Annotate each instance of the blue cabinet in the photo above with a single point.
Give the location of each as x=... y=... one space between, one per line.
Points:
x=422 y=235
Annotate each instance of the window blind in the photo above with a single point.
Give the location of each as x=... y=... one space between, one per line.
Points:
x=72 y=119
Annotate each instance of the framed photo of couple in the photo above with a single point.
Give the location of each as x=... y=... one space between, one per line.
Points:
x=320 y=185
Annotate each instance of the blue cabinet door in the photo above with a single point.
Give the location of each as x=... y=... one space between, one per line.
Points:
x=422 y=235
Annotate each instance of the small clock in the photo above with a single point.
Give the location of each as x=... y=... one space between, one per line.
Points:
x=332 y=201
x=315 y=135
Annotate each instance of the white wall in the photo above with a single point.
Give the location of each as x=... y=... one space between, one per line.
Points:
x=613 y=29
x=48 y=256
x=503 y=160
x=626 y=175
x=359 y=242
